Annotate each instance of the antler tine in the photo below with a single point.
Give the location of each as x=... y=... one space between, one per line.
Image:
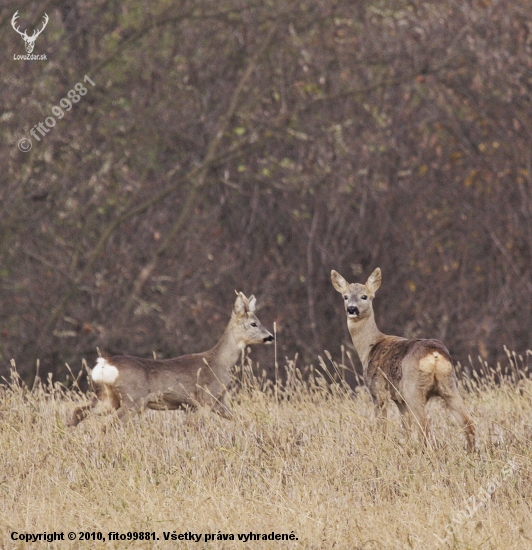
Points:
x=13 y=21
x=37 y=33
x=46 y=18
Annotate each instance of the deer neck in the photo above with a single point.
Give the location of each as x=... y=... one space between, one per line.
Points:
x=226 y=352
x=365 y=334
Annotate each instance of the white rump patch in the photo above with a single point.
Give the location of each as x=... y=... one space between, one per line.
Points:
x=435 y=362
x=428 y=363
x=104 y=372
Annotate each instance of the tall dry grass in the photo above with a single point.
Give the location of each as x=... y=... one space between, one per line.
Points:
x=307 y=458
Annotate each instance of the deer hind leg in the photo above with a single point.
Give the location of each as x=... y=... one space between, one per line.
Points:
x=406 y=417
x=80 y=413
x=414 y=413
x=458 y=409
x=105 y=402
x=416 y=384
x=447 y=389
x=419 y=417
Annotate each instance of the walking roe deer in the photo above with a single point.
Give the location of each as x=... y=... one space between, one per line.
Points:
x=124 y=383
x=409 y=371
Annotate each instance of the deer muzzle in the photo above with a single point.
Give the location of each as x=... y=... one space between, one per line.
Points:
x=352 y=311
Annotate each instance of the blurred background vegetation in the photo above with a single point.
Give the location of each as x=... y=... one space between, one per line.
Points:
x=256 y=146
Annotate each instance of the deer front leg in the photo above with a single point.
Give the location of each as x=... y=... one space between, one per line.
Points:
x=128 y=406
x=381 y=399
x=219 y=406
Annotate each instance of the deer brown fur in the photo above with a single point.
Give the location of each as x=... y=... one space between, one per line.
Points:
x=409 y=371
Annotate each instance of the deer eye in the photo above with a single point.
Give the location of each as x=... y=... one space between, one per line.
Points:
x=253 y=324
x=345 y=297
x=364 y=297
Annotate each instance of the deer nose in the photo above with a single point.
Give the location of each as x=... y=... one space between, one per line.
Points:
x=352 y=310
x=268 y=338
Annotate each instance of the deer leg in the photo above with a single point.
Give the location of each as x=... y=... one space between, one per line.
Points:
x=458 y=409
x=124 y=414
x=216 y=402
x=415 y=414
x=448 y=391
x=106 y=401
x=381 y=396
x=220 y=407
x=80 y=413
x=406 y=417
x=127 y=406
x=380 y=400
x=419 y=417
x=414 y=402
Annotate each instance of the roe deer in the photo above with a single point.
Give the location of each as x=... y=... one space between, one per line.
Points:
x=126 y=383
x=409 y=372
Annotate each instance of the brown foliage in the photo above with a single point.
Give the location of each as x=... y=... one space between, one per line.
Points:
x=231 y=145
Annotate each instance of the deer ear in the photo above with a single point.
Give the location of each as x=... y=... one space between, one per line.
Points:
x=240 y=305
x=339 y=283
x=252 y=303
x=374 y=282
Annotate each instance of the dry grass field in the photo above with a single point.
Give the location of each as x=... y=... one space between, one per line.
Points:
x=307 y=460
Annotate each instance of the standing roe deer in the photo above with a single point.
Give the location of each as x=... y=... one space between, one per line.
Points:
x=126 y=383
x=408 y=371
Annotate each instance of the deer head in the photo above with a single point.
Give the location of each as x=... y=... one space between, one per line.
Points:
x=29 y=40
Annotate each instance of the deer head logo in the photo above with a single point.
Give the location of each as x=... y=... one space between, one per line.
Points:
x=29 y=40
